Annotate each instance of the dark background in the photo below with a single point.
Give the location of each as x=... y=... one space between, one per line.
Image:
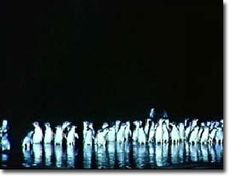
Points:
x=103 y=60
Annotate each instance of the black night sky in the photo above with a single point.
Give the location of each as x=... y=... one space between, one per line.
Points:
x=103 y=60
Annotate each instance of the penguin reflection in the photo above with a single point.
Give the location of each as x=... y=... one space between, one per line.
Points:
x=193 y=152
x=37 y=152
x=141 y=156
x=151 y=152
x=174 y=153
x=162 y=155
x=5 y=143
x=70 y=156
x=58 y=155
x=120 y=149
x=181 y=152
x=187 y=153
x=101 y=157
x=4 y=158
x=127 y=152
x=88 y=150
x=204 y=153
x=111 y=154
x=212 y=153
x=159 y=159
x=219 y=152
x=48 y=154
x=28 y=160
x=165 y=152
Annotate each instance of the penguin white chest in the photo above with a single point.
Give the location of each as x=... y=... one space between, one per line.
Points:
x=88 y=139
x=111 y=136
x=142 y=139
x=58 y=136
x=48 y=137
x=38 y=135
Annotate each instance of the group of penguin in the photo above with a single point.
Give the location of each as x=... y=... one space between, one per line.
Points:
x=5 y=143
x=161 y=131
x=65 y=132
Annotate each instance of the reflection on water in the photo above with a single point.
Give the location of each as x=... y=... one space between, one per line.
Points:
x=150 y=155
x=121 y=156
x=49 y=156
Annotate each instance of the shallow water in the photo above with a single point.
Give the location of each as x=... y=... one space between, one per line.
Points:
x=116 y=156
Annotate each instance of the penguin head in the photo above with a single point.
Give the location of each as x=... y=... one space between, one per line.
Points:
x=86 y=123
x=74 y=127
x=202 y=124
x=36 y=124
x=127 y=123
x=105 y=125
x=123 y=125
x=30 y=134
x=91 y=125
x=140 y=123
x=4 y=123
x=117 y=122
x=47 y=125
x=195 y=120
x=58 y=127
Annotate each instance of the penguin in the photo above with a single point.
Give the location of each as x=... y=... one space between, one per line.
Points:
x=152 y=113
x=194 y=123
x=100 y=139
x=4 y=127
x=186 y=122
x=121 y=134
x=135 y=131
x=174 y=134
x=181 y=131
x=142 y=138
x=146 y=127
x=205 y=136
x=200 y=132
x=151 y=135
x=111 y=136
x=193 y=139
x=72 y=135
x=159 y=132
x=127 y=132
x=65 y=125
x=117 y=125
x=48 y=137
x=27 y=141
x=165 y=134
x=5 y=143
x=85 y=128
x=88 y=139
x=38 y=133
x=219 y=135
x=212 y=135
x=212 y=126
x=187 y=131
x=58 y=135
x=167 y=122
x=91 y=128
